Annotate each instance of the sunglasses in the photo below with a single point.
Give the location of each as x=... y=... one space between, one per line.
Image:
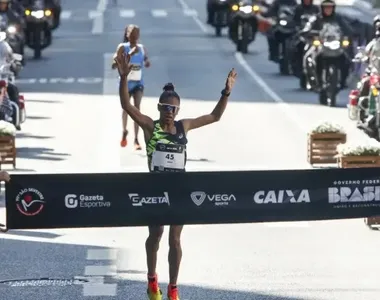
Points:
x=168 y=108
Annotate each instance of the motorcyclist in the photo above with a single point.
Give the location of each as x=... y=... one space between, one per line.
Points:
x=272 y=13
x=212 y=7
x=365 y=57
x=328 y=15
x=306 y=7
x=53 y=5
x=8 y=13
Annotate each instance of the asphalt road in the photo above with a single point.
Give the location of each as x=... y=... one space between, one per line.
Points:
x=73 y=125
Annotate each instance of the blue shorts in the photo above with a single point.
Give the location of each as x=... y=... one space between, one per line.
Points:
x=135 y=86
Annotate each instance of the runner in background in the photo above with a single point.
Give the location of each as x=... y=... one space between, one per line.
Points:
x=139 y=61
x=166 y=140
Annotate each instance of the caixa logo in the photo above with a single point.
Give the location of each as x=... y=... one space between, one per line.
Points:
x=281 y=196
x=218 y=199
x=138 y=200
x=354 y=195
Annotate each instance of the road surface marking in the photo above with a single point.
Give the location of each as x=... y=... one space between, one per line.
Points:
x=65 y=15
x=100 y=289
x=185 y=7
x=127 y=13
x=93 y=14
x=98 y=21
x=62 y=80
x=110 y=77
x=106 y=270
x=190 y=12
x=159 y=13
x=101 y=254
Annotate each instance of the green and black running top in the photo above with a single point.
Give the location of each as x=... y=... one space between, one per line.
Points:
x=167 y=152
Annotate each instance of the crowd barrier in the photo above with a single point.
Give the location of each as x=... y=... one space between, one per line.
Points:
x=43 y=201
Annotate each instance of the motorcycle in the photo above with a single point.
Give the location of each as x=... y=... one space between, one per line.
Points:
x=296 y=49
x=38 y=32
x=364 y=102
x=13 y=35
x=328 y=48
x=221 y=15
x=16 y=100
x=284 y=29
x=243 y=25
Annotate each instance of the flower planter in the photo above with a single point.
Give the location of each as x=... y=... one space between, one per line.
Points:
x=321 y=147
x=358 y=161
x=7 y=150
x=362 y=162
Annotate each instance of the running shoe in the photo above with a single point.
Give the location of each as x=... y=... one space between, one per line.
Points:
x=154 y=292
x=173 y=292
x=124 y=141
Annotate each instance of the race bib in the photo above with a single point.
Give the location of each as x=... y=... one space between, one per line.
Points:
x=135 y=74
x=168 y=157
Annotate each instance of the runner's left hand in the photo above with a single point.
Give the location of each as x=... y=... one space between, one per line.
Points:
x=230 y=81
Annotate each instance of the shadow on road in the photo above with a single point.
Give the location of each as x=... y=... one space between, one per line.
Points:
x=37 y=118
x=39 y=234
x=40 y=153
x=44 y=101
x=22 y=260
x=22 y=135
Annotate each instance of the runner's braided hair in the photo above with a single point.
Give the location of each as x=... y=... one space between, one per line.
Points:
x=168 y=92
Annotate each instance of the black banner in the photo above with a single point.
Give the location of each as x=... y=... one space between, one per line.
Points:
x=138 y=199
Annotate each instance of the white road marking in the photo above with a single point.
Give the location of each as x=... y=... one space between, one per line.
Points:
x=159 y=13
x=185 y=7
x=109 y=149
x=109 y=270
x=127 y=13
x=101 y=254
x=98 y=21
x=92 y=14
x=67 y=80
x=190 y=13
x=100 y=289
x=65 y=15
x=110 y=77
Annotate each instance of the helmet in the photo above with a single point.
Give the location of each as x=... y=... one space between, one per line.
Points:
x=327 y=3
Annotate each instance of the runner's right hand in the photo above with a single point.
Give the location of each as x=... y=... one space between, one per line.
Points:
x=123 y=65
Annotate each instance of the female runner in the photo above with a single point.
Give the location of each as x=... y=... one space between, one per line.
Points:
x=162 y=132
x=135 y=78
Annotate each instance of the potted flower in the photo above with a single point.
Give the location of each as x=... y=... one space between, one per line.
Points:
x=7 y=143
x=359 y=155
x=322 y=142
x=364 y=155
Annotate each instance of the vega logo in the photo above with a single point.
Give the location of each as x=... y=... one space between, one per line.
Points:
x=281 y=196
x=218 y=199
x=137 y=200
